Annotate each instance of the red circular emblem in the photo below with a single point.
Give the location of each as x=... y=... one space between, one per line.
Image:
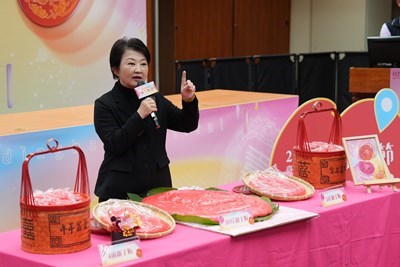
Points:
x=48 y=13
x=366 y=152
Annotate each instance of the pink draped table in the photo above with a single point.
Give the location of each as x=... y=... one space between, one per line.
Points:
x=363 y=231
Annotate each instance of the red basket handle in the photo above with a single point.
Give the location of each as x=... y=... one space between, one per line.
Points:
x=81 y=181
x=335 y=136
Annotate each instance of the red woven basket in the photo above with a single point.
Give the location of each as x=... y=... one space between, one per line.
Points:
x=321 y=169
x=55 y=229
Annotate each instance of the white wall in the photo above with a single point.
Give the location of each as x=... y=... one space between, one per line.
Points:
x=339 y=25
x=300 y=26
x=378 y=11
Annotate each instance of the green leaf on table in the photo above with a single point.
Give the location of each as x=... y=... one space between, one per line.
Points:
x=274 y=207
x=135 y=197
x=159 y=190
x=215 y=189
x=193 y=219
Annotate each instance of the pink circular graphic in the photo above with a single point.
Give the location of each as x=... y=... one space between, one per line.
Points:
x=366 y=167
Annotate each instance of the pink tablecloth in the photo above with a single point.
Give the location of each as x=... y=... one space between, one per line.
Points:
x=364 y=231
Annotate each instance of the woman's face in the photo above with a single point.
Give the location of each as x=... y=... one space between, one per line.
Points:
x=133 y=68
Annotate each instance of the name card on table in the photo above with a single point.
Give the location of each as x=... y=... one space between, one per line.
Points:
x=333 y=196
x=119 y=253
x=235 y=219
x=395 y=80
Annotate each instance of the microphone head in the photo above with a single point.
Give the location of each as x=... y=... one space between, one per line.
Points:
x=139 y=83
x=144 y=90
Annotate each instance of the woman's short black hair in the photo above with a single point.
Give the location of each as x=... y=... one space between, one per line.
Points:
x=121 y=45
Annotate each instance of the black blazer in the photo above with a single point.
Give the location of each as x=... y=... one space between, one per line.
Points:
x=135 y=159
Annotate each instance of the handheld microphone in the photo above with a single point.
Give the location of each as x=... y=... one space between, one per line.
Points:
x=144 y=90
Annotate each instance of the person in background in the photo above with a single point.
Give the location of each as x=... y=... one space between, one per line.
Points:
x=391 y=27
x=135 y=157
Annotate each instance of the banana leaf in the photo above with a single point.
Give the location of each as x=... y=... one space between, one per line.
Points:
x=193 y=219
x=275 y=209
x=215 y=189
x=159 y=190
x=135 y=197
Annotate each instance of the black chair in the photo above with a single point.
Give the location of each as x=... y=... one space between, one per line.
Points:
x=198 y=71
x=275 y=74
x=232 y=73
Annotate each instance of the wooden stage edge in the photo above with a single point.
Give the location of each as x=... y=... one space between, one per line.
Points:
x=368 y=80
x=23 y=122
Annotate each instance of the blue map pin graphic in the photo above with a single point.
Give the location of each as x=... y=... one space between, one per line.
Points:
x=386 y=106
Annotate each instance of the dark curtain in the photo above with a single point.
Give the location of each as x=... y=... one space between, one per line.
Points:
x=275 y=74
x=317 y=76
x=196 y=70
x=232 y=73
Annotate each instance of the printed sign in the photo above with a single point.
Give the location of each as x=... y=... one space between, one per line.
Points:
x=235 y=219
x=119 y=253
x=333 y=196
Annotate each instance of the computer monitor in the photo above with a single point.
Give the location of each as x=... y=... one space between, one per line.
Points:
x=384 y=51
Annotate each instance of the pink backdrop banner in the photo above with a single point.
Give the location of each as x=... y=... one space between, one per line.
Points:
x=229 y=142
x=66 y=64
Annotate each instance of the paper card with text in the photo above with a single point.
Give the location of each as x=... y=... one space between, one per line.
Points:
x=333 y=196
x=395 y=80
x=235 y=219
x=119 y=253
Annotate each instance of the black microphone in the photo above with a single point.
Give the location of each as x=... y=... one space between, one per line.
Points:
x=147 y=90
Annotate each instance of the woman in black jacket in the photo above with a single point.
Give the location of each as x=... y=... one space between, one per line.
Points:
x=135 y=158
